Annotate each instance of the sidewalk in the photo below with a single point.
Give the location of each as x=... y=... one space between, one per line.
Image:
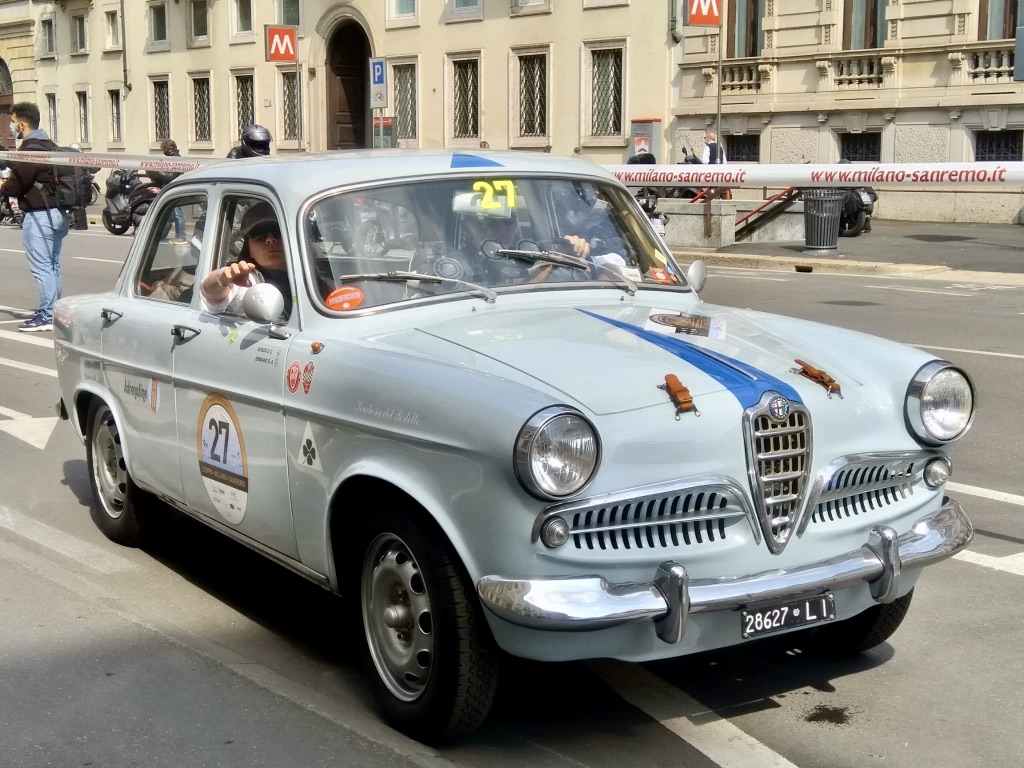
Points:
x=892 y=247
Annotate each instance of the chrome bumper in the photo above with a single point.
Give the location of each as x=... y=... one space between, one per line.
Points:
x=590 y=602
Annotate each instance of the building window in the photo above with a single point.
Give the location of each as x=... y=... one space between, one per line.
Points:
x=201 y=130
x=245 y=100
x=114 y=96
x=464 y=10
x=530 y=6
x=161 y=110
x=158 y=23
x=997 y=19
x=404 y=8
x=466 y=98
x=863 y=24
x=243 y=17
x=533 y=95
x=290 y=102
x=46 y=40
x=291 y=13
x=998 y=146
x=79 y=34
x=82 y=99
x=51 y=115
x=199 y=19
x=746 y=34
x=404 y=79
x=112 y=29
x=463 y=5
x=402 y=13
x=743 y=149
x=860 y=147
x=606 y=92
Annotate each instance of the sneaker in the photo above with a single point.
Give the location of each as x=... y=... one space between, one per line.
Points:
x=37 y=323
x=177 y=241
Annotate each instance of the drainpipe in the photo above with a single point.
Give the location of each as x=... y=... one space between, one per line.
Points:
x=124 y=55
x=673 y=22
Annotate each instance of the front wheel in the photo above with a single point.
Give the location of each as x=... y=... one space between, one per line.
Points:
x=119 y=510
x=861 y=632
x=112 y=227
x=432 y=663
x=852 y=227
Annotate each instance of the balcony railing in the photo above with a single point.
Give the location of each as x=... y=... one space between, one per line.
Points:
x=858 y=73
x=990 y=65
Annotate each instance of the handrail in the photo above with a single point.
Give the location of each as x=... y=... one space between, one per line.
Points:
x=764 y=205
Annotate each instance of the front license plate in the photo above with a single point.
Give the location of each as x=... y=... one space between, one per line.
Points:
x=755 y=622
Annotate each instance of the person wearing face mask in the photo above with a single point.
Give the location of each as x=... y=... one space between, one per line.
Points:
x=44 y=224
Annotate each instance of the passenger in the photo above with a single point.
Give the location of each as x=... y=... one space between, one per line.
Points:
x=261 y=260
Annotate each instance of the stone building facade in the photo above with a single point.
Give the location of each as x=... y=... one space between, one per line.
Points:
x=17 y=60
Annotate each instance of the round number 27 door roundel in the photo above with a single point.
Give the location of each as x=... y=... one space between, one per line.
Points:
x=222 y=461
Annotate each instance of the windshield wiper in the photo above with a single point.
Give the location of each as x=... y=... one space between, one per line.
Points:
x=546 y=257
x=406 y=277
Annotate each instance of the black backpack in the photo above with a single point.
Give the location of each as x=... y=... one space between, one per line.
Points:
x=72 y=187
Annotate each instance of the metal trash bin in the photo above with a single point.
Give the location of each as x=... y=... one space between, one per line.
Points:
x=822 y=209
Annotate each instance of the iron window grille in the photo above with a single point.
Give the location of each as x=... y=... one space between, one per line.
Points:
x=51 y=115
x=290 y=100
x=201 y=109
x=245 y=98
x=998 y=146
x=861 y=147
x=83 y=116
x=161 y=110
x=606 y=92
x=465 y=76
x=115 y=115
x=743 y=149
x=405 y=99
x=533 y=95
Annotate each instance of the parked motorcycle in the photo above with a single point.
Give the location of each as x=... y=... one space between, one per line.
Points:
x=858 y=206
x=127 y=199
x=686 y=193
x=385 y=227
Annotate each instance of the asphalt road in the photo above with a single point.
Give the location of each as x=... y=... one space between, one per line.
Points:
x=197 y=652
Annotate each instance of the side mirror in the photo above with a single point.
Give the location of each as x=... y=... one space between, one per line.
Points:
x=696 y=276
x=263 y=303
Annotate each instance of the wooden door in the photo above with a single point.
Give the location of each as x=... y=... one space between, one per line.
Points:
x=347 y=59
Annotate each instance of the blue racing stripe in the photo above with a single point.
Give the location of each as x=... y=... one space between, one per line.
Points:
x=463 y=160
x=747 y=383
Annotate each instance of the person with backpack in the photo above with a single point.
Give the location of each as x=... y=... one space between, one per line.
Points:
x=44 y=225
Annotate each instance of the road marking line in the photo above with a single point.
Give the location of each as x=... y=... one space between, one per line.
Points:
x=98 y=559
x=721 y=741
x=751 y=277
x=971 y=351
x=1012 y=564
x=25 y=338
x=106 y=261
x=19 y=310
x=985 y=493
x=10 y=413
x=28 y=367
x=917 y=290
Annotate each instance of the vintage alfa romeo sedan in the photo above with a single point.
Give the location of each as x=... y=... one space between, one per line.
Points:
x=491 y=409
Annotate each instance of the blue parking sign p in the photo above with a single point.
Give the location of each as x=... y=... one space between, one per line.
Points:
x=377 y=76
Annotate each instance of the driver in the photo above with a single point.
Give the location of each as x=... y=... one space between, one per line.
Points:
x=506 y=230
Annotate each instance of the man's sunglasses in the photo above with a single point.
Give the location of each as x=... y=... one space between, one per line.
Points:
x=261 y=232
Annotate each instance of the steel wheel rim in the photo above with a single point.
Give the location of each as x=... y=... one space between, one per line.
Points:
x=108 y=467
x=397 y=617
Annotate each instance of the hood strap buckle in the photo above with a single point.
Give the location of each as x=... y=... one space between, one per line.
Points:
x=819 y=376
x=680 y=396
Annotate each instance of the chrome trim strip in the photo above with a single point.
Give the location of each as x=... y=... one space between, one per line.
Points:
x=587 y=603
x=709 y=483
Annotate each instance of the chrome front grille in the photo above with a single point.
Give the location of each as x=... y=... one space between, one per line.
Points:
x=780 y=462
x=863 y=487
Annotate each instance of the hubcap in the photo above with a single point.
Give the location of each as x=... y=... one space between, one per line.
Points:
x=108 y=467
x=397 y=617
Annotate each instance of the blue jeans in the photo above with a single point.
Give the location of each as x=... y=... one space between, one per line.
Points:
x=42 y=233
x=179 y=222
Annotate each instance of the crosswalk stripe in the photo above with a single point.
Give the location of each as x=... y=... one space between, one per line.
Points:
x=103 y=560
x=26 y=338
x=28 y=367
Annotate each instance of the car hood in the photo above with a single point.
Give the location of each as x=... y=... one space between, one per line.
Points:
x=613 y=359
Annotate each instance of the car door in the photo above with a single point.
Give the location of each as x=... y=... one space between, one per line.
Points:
x=229 y=379
x=137 y=343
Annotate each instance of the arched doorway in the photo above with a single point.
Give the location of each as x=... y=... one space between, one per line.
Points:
x=6 y=102
x=348 y=54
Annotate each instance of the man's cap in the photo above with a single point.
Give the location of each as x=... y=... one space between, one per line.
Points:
x=261 y=213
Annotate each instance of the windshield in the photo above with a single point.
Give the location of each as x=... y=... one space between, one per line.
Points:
x=480 y=236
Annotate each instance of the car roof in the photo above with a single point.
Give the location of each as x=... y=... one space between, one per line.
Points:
x=303 y=174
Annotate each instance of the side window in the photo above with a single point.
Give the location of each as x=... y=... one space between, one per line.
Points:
x=167 y=271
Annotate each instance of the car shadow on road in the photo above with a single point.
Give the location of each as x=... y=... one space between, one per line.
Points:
x=76 y=479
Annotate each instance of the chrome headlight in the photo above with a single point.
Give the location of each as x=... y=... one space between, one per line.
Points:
x=940 y=403
x=556 y=453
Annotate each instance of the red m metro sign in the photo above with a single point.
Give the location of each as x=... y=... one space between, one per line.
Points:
x=703 y=13
x=281 y=44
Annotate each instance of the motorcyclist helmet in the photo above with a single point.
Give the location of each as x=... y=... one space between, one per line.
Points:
x=255 y=140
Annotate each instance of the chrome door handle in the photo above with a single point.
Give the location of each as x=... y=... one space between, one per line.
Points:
x=184 y=332
x=110 y=315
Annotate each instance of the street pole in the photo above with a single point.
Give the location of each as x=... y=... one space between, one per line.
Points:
x=718 y=81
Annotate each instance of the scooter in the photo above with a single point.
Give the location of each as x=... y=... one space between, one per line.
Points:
x=858 y=205
x=10 y=211
x=385 y=228
x=127 y=199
